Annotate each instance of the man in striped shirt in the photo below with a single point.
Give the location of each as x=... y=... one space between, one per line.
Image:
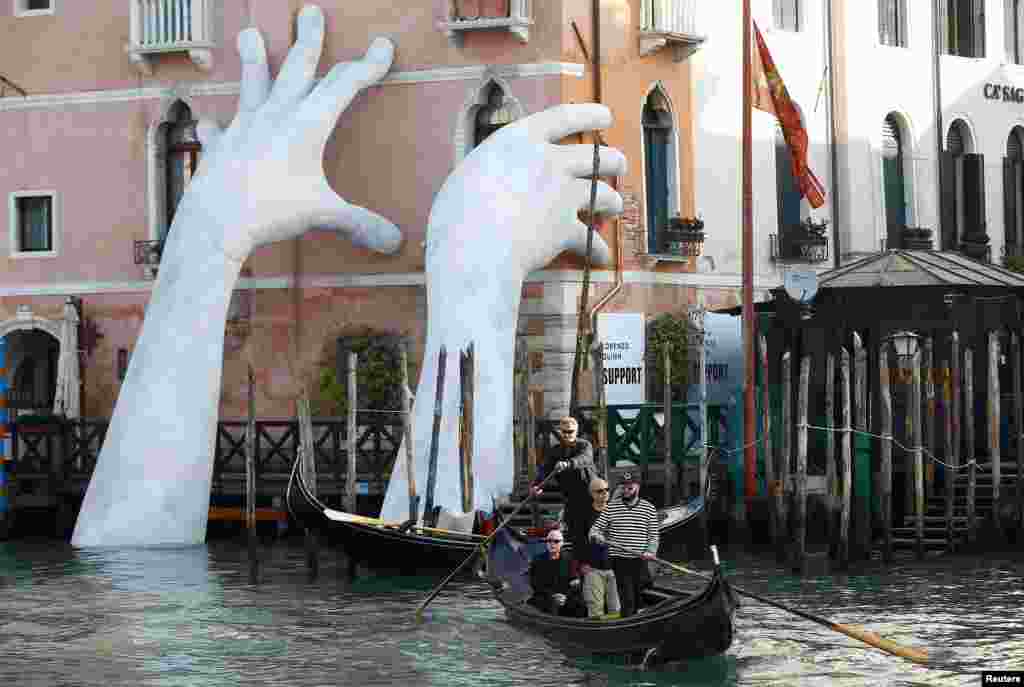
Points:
x=629 y=525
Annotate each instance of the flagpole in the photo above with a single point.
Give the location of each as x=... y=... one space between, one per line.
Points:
x=749 y=323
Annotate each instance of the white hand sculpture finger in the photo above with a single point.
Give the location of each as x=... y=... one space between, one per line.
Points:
x=260 y=180
x=507 y=210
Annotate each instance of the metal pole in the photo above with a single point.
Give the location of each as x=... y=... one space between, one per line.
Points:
x=749 y=323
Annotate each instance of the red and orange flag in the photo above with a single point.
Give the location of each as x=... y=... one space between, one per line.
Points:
x=771 y=96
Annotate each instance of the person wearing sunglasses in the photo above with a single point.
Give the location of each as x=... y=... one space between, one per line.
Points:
x=573 y=461
x=629 y=526
x=600 y=592
x=555 y=589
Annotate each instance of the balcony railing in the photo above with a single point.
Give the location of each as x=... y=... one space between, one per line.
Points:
x=148 y=254
x=159 y=26
x=669 y=22
x=475 y=15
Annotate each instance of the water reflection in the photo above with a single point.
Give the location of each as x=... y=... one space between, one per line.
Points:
x=188 y=616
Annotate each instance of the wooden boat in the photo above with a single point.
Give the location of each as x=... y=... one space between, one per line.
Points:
x=672 y=626
x=382 y=544
x=378 y=543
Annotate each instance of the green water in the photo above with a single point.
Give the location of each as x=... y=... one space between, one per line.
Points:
x=190 y=617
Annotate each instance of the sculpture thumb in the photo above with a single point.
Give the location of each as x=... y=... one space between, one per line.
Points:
x=363 y=227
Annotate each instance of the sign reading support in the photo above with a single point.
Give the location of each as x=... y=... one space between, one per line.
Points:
x=622 y=340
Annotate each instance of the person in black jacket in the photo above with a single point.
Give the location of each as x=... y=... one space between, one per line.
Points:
x=573 y=461
x=554 y=587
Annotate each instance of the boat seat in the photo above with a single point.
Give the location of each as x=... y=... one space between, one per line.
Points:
x=456 y=522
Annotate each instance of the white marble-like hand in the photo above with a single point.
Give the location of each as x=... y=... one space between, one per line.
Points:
x=507 y=210
x=261 y=180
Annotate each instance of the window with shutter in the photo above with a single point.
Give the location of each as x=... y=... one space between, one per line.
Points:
x=893 y=181
x=787 y=192
x=786 y=14
x=1012 y=30
x=892 y=26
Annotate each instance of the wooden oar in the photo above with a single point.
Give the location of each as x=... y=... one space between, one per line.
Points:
x=483 y=546
x=377 y=522
x=887 y=645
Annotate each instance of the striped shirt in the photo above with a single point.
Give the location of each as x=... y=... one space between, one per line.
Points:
x=629 y=530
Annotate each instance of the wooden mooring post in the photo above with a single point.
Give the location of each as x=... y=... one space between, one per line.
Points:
x=353 y=402
x=917 y=454
x=928 y=380
x=885 y=448
x=969 y=456
x=410 y=463
x=994 y=449
x=435 y=436
x=250 y=478
x=953 y=430
x=1018 y=420
x=769 y=458
x=601 y=431
x=847 y=460
x=307 y=465
x=830 y=447
x=862 y=471
x=800 y=507
x=466 y=377
x=666 y=358
x=782 y=494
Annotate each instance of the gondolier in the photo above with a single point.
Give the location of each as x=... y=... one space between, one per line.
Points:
x=629 y=525
x=573 y=460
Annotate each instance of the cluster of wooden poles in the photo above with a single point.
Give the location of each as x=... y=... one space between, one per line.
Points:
x=916 y=371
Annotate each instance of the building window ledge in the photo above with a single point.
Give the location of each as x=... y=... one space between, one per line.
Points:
x=170 y=26
x=201 y=54
x=683 y=45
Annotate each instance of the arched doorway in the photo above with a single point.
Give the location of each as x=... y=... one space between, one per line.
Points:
x=41 y=363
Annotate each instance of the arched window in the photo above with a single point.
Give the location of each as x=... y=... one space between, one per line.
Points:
x=787 y=191
x=963 y=184
x=495 y=114
x=659 y=165
x=894 y=180
x=182 y=149
x=1013 y=192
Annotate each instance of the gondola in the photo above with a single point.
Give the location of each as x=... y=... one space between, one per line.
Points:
x=672 y=626
x=370 y=541
x=414 y=548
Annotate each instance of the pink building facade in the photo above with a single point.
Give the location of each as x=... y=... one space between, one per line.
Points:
x=97 y=112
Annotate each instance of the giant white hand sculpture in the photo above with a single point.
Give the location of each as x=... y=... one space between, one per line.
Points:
x=261 y=180
x=508 y=209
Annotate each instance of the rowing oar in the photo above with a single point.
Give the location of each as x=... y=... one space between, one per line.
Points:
x=483 y=546
x=887 y=645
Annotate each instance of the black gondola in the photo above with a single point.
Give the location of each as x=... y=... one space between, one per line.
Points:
x=672 y=626
x=418 y=549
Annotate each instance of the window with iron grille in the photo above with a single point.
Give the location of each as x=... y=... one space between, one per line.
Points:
x=892 y=23
x=786 y=14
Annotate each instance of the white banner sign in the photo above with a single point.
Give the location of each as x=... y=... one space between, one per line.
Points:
x=622 y=337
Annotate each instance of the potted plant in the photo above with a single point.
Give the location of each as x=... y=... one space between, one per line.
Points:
x=683 y=236
x=975 y=243
x=916 y=238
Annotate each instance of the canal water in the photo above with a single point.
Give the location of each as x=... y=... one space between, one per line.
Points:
x=189 y=617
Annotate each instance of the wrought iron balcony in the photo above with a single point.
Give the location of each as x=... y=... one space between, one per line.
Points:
x=805 y=242
x=514 y=16
x=683 y=236
x=163 y=26
x=669 y=22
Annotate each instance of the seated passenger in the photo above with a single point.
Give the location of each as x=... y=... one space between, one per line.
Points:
x=555 y=590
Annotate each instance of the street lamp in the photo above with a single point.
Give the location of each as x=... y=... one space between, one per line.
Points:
x=905 y=343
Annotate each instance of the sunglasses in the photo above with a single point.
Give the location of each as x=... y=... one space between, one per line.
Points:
x=599 y=491
x=553 y=541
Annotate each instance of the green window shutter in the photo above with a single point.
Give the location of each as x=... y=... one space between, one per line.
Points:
x=974 y=193
x=787 y=193
x=1010 y=173
x=947 y=203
